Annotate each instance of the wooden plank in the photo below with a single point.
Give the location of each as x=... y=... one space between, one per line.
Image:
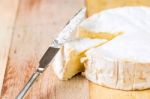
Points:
x=37 y=24
x=95 y=6
x=98 y=92
x=7 y=18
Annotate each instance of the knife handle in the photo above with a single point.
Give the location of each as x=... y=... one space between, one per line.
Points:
x=28 y=85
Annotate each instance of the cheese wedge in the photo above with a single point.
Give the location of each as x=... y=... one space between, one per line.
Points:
x=67 y=62
x=124 y=62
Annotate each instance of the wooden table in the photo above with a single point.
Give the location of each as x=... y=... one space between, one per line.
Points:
x=26 y=29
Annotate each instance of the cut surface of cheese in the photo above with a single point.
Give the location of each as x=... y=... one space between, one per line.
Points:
x=67 y=63
x=124 y=62
x=82 y=32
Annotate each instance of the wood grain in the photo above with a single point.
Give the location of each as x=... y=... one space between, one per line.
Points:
x=99 y=92
x=94 y=6
x=8 y=12
x=38 y=22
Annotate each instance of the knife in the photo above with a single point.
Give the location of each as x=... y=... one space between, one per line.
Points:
x=62 y=37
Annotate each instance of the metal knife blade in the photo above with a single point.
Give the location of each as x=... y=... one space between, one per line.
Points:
x=62 y=38
x=53 y=49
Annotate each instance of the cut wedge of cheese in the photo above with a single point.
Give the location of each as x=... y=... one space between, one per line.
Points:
x=95 y=26
x=67 y=63
x=124 y=62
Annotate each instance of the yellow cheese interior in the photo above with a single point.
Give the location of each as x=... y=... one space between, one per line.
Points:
x=73 y=65
x=72 y=54
x=84 y=33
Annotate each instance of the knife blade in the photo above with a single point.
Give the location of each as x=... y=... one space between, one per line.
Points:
x=53 y=49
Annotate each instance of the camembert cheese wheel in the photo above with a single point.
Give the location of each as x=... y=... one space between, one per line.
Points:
x=123 y=62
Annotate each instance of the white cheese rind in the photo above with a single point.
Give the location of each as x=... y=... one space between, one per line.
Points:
x=99 y=71
x=115 y=73
x=122 y=16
